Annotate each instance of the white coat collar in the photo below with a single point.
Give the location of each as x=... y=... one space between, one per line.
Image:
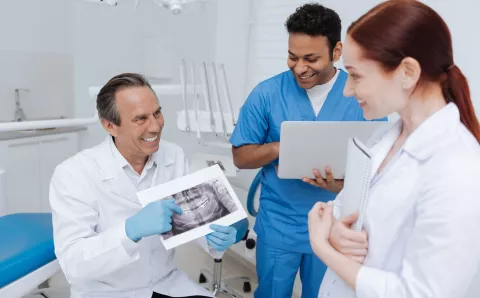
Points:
x=420 y=144
x=110 y=166
x=122 y=161
x=114 y=177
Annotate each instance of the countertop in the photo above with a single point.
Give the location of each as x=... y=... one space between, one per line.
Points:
x=38 y=132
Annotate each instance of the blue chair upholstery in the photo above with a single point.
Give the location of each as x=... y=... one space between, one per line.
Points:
x=26 y=244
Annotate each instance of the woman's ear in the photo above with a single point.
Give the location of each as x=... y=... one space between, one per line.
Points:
x=410 y=72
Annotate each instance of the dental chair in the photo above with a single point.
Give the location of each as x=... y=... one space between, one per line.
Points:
x=27 y=257
x=214 y=282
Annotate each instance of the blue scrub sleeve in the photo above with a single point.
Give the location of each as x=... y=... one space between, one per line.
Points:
x=252 y=124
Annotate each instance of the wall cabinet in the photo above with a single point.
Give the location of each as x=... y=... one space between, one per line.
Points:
x=29 y=164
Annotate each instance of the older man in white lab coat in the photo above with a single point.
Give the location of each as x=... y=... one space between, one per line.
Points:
x=106 y=243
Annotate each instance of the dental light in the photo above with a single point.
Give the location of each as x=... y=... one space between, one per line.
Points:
x=176 y=6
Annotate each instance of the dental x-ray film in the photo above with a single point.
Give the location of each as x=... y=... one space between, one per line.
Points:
x=205 y=197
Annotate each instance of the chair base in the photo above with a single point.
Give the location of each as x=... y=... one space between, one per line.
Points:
x=208 y=281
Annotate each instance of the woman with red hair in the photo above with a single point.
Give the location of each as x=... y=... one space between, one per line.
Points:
x=422 y=221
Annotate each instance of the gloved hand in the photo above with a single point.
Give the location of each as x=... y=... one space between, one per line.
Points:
x=153 y=219
x=223 y=237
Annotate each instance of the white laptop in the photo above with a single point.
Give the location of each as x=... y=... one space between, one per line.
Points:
x=309 y=145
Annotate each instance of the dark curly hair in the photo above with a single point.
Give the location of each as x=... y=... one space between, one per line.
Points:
x=316 y=20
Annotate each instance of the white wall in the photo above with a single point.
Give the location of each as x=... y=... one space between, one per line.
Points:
x=465 y=43
x=110 y=40
x=234 y=22
x=269 y=39
x=35 y=53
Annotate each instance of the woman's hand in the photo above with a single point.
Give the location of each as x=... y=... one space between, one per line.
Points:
x=350 y=243
x=320 y=222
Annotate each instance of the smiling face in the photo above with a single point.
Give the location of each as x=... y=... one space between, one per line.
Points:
x=138 y=134
x=310 y=59
x=380 y=93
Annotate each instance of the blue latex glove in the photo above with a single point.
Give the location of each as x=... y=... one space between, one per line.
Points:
x=223 y=237
x=153 y=219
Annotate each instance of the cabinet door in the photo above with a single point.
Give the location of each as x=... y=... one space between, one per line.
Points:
x=3 y=178
x=23 y=189
x=52 y=151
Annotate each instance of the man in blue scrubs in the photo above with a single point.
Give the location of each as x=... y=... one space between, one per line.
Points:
x=312 y=90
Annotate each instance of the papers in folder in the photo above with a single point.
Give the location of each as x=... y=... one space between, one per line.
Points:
x=357 y=181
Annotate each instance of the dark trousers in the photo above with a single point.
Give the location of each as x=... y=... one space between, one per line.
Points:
x=156 y=295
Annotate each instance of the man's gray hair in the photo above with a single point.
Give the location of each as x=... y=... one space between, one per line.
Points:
x=106 y=101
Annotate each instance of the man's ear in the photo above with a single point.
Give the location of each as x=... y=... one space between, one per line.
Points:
x=337 y=51
x=410 y=71
x=110 y=127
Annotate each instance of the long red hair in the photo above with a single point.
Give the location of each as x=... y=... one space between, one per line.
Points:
x=396 y=29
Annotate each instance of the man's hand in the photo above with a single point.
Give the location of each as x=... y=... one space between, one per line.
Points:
x=329 y=183
x=154 y=219
x=224 y=237
x=349 y=243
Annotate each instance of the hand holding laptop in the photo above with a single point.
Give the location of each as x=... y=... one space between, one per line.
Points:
x=329 y=183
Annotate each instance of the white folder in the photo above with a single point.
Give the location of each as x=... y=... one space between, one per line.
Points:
x=357 y=181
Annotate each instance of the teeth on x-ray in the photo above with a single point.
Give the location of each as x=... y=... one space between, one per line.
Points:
x=201 y=204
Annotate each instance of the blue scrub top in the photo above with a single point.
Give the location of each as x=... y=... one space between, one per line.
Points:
x=282 y=219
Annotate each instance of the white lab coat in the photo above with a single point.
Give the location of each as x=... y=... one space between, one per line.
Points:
x=423 y=215
x=91 y=197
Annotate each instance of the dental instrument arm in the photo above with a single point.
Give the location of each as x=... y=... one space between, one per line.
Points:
x=217 y=98
x=227 y=94
x=183 y=80
x=206 y=94
x=196 y=104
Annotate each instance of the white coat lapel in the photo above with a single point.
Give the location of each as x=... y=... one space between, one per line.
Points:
x=121 y=186
x=165 y=166
x=402 y=178
x=114 y=178
x=118 y=183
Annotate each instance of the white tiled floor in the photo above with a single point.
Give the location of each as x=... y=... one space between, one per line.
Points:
x=187 y=253
x=184 y=256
